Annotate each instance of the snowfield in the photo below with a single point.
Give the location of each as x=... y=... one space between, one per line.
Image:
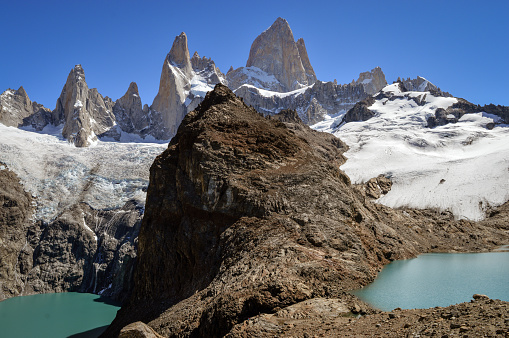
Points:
x=58 y=174
x=461 y=167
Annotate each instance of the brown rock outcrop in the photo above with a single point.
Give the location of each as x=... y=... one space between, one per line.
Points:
x=248 y=215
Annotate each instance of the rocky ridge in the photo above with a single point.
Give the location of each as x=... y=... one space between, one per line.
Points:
x=249 y=215
x=408 y=88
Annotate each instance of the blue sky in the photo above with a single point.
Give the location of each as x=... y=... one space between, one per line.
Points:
x=461 y=46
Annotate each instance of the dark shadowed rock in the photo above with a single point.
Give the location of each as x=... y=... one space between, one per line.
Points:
x=360 y=112
x=16 y=209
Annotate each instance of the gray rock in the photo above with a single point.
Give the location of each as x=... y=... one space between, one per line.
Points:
x=84 y=111
x=17 y=110
x=83 y=249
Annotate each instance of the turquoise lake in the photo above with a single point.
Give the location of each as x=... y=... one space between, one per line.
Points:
x=55 y=315
x=439 y=280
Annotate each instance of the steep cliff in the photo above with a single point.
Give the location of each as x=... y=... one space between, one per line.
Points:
x=129 y=113
x=248 y=215
x=83 y=249
x=184 y=82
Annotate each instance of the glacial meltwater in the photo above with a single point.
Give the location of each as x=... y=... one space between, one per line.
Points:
x=70 y=314
x=439 y=280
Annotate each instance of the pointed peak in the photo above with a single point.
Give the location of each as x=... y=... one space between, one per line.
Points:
x=78 y=69
x=78 y=73
x=280 y=25
x=179 y=53
x=196 y=55
x=21 y=91
x=133 y=88
x=179 y=49
x=281 y=21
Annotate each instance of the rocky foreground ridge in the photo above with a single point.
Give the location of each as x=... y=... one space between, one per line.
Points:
x=278 y=75
x=249 y=216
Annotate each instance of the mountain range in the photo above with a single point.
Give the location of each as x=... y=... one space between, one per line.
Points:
x=278 y=75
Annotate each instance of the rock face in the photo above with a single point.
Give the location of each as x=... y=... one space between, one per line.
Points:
x=372 y=81
x=462 y=107
x=17 y=110
x=276 y=53
x=15 y=213
x=84 y=112
x=248 y=215
x=176 y=96
x=419 y=84
x=65 y=254
x=128 y=111
x=86 y=250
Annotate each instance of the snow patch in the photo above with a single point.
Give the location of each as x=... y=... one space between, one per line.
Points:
x=269 y=93
x=87 y=227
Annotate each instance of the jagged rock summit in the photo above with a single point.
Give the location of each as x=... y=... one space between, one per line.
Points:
x=278 y=75
x=84 y=112
x=249 y=215
x=130 y=116
x=276 y=53
x=182 y=85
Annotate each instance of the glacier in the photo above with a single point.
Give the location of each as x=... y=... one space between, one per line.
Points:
x=460 y=167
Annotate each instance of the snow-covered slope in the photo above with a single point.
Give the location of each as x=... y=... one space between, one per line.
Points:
x=461 y=167
x=58 y=174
